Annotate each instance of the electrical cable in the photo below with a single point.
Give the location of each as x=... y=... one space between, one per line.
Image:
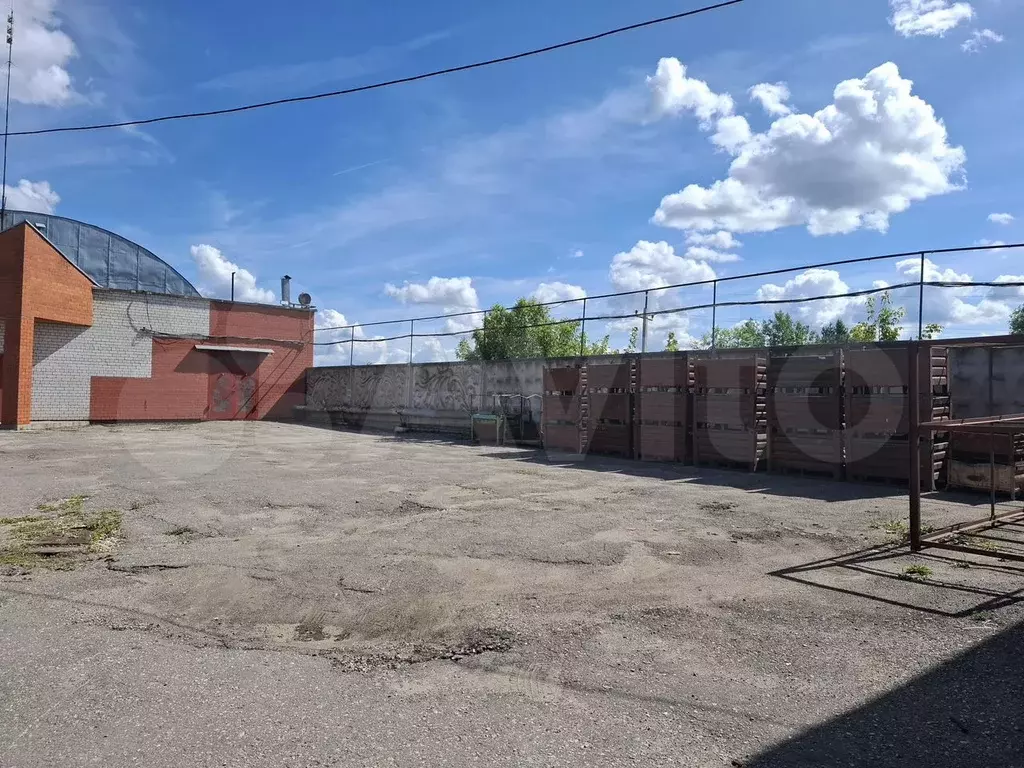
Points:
x=384 y=83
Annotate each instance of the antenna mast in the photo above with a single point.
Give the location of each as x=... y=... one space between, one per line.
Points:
x=7 y=113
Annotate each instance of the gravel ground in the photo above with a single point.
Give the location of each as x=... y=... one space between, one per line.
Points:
x=289 y=596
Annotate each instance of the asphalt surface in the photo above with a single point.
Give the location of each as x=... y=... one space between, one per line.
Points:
x=289 y=596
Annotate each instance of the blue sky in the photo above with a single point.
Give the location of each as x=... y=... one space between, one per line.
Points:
x=633 y=162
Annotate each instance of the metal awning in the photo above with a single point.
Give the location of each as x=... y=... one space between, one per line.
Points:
x=222 y=348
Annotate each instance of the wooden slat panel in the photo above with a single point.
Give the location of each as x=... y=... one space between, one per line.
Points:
x=662 y=406
x=562 y=408
x=608 y=377
x=793 y=411
x=611 y=439
x=562 y=437
x=672 y=372
x=727 y=374
x=561 y=379
x=803 y=451
x=720 y=445
x=660 y=443
x=804 y=371
x=733 y=410
x=605 y=407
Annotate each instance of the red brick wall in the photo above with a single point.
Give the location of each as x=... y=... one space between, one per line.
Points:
x=36 y=283
x=177 y=391
x=280 y=378
x=179 y=387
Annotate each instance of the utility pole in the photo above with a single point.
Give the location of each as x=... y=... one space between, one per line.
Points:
x=7 y=112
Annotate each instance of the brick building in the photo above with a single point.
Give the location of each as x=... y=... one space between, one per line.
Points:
x=96 y=328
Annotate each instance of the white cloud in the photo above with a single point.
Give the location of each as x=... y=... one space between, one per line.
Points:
x=672 y=92
x=1000 y=218
x=703 y=253
x=548 y=293
x=980 y=38
x=772 y=97
x=949 y=306
x=215 y=277
x=932 y=271
x=655 y=265
x=851 y=165
x=732 y=133
x=448 y=291
x=932 y=18
x=42 y=52
x=35 y=196
x=813 y=282
x=722 y=241
x=577 y=254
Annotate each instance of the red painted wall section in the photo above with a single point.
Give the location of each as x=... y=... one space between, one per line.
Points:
x=280 y=377
x=179 y=389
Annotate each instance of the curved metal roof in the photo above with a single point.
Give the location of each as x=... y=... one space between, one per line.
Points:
x=109 y=259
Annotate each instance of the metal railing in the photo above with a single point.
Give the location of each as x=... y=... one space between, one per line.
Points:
x=357 y=330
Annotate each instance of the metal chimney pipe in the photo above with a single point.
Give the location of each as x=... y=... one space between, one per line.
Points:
x=286 y=289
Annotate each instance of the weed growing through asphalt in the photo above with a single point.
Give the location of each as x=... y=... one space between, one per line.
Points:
x=895 y=529
x=916 y=573
x=59 y=536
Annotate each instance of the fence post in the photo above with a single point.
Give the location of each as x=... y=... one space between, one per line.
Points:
x=920 y=302
x=409 y=385
x=583 y=329
x=643 y=333
x=714 y=313
x=352 y=348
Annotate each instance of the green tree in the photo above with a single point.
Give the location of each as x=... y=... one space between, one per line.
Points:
x=882 y=322
x=783 y=331
x=749 y=333
x=931 y=331
x=634 y=336
x=526 y=330
x=835 y=332
x=1017 y=321
x=671 y=342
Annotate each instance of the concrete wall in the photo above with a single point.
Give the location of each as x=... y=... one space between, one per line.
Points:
x=986 y=381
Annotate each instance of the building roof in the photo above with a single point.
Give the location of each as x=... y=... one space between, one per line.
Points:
x=110 y=260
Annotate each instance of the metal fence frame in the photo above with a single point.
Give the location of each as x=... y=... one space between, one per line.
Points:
x=714 y=306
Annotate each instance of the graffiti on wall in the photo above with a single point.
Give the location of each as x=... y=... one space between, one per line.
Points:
x=446 y=387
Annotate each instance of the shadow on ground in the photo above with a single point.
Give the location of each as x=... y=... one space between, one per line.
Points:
x=966 y=712
x=881 y=566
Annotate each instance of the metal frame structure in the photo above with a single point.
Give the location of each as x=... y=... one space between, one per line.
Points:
x=649 y=313
x=1011 y=424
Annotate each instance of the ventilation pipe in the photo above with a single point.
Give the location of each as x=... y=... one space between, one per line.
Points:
x=286 y=289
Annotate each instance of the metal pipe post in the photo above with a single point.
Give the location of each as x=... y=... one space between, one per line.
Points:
x=352 y=347
x=643 y=334
x=583 y=330
x=714 y=312
x=992 y=472
x=409 y=384
x=920 y=301
x=914 y=387
x=232 y=286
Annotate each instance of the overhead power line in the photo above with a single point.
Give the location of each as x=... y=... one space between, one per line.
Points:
x=384 y=83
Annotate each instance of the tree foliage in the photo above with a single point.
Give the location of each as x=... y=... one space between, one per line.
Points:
x=783 y=331
x=671 y=342
x=526 y=330
x=835 y=332
x=882 y=323
x=1017 y=321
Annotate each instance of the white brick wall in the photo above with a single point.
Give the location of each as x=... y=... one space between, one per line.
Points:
x=67 y=357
